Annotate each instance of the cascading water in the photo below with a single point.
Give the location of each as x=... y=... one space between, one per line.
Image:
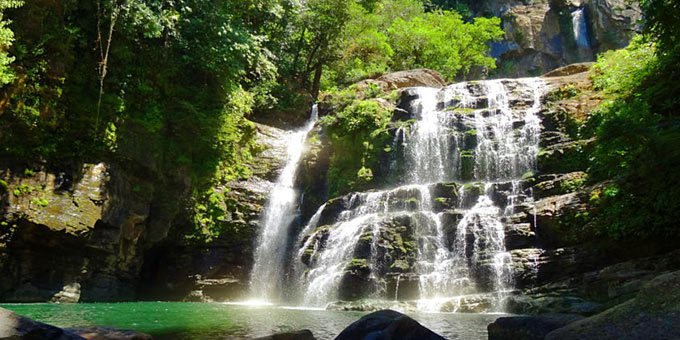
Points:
x=485 y=134
x=578 y=19
x=281 y=209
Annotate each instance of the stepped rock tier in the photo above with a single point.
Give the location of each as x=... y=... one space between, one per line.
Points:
x=437 y=235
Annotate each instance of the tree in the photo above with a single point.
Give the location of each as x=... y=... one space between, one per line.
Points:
x=6 y=39
x=399 y=35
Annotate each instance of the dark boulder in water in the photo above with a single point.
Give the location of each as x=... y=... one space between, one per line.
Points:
x=14 y=326
x=304 y=334
x=106 y=333
x=387 y=324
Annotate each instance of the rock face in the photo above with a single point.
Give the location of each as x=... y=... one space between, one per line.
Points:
x=543 y=35
x=528 y=327
x=92 y=218
x=387 y=324
x=653 y=314
x=121 y=232
x=180 y=269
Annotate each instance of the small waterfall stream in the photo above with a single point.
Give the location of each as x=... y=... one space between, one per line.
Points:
x=281 y=209
x=485 y=134
x=578 y=19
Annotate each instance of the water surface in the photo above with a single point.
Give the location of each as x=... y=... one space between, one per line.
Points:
x=178 y=320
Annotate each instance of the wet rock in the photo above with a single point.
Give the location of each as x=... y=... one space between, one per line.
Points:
x=549 y=138
x=355 y=282
x=105 y=333
x=550 y=185
x=552 y=213
x=401 y=115
x=387 y=324
x=528 y=327
x=477 y=303
x=519 y=236
x=403 y=287
x=653 y=314
x=368 y=305
x=551 y=303
x=565 y=157
x=14 y=326
x=69 y=294
x=304 y=334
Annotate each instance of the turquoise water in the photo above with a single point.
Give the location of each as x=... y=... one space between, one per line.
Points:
x=177 y=320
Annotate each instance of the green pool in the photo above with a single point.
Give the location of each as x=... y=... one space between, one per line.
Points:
x=176 y=320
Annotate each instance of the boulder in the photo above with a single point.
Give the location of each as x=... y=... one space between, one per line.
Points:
x=14 y=326
x=368 y=305
x=387 y=324
x=528 y=327
x=569 y=70
x=411 y=78
x=653 y=314
x=105 y=333
x=304 y=334
x=69 y=294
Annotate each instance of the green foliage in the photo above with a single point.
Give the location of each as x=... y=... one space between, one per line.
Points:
x=6 y=39
x=358 y=133
x=23 y=189
x=564 y=92
x=661 y=22
x=573 y=184
x=377 y=42
x=169 y=85
x=620 y=72
x=638 y=148
x=40 y=202
x=357 y=264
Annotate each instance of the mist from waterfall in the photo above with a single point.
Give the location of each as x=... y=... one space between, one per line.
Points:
x=267 y=276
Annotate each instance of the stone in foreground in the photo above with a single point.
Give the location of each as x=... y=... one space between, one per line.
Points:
x=653 y=314
x=385 y=325
x=304 y=334
x=528 y=327
x=105 y=333
x=14 y=326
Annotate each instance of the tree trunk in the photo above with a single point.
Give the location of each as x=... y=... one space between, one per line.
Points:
x=316 y=85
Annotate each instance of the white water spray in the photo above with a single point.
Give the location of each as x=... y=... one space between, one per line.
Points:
x=268 y=271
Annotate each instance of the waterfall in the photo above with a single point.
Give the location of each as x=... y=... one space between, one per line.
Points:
x=578 y=20
x=279 y=212
x=476 y=138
